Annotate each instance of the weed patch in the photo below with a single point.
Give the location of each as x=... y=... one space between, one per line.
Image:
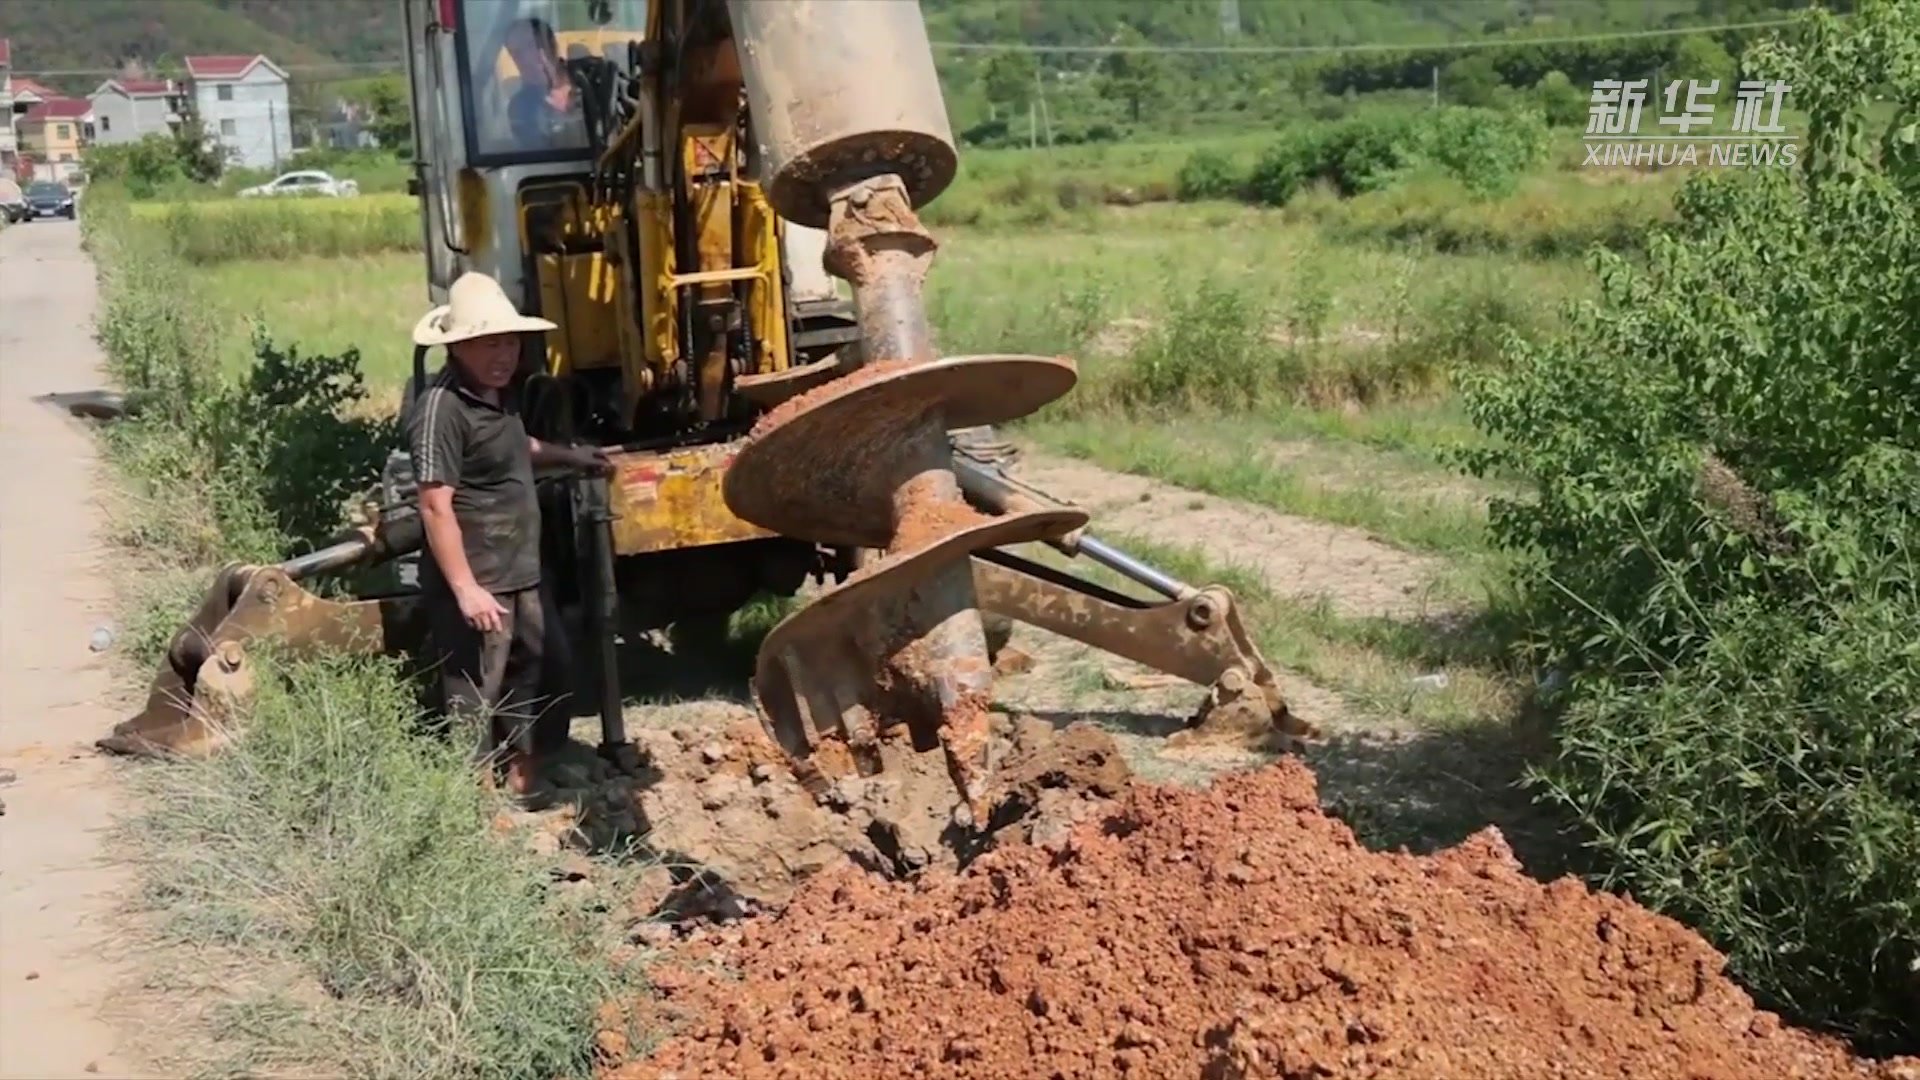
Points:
x=335 y=836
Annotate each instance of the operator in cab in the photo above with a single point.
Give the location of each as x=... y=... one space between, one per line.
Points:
x=488 y=617
x=544 y=112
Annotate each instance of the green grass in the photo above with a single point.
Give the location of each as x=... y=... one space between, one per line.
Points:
x=333 y=837
x=213 y=231
x=325 y=305
x=1401 y=501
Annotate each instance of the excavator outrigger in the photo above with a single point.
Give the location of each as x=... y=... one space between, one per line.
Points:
x=679 y=220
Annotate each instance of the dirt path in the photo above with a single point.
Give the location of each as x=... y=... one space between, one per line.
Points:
x=58 y=959
x=1298 y=557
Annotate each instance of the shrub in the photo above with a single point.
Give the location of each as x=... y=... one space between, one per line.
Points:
x=1727 y=455
x=1485 y=149
x=1208 y=174
x=1209 y=349
x=1286 y=166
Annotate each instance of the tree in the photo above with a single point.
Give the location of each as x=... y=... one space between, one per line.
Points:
x=392 y=123
x=1133 y=77
x=1472 y=80
x=1562 y=101
x=202 y=157
x=1700 y=58
x=1010 y=78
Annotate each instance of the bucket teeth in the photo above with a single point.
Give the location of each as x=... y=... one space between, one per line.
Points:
x=866 y=461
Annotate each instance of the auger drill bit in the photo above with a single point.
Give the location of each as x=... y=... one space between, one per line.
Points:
x=866 y=461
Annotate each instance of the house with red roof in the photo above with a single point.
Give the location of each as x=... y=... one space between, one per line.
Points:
x=128 y=109
x=243 y=103
x=53 y=133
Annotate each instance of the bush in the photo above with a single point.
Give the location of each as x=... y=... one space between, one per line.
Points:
x=1208 y=174
x=1286 y=167
x=1727 y=455
x=1485 y=149
x=269 y=457
x=1210 y=349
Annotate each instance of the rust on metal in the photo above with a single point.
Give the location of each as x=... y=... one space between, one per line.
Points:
x=865 y=461
x=204 y=672
x=1200 y=639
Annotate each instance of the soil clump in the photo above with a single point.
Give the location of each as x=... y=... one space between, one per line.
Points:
x=743 y=828
x=1224 y=933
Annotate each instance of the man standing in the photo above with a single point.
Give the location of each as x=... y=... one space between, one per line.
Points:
x=473 y=461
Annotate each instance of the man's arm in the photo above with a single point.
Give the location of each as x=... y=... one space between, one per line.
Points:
x=589 y=458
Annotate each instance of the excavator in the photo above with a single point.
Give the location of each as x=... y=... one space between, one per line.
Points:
x=716 y=201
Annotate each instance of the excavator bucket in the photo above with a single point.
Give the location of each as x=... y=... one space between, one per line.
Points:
x=205 y=678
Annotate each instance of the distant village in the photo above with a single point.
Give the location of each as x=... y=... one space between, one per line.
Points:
x=241 y=102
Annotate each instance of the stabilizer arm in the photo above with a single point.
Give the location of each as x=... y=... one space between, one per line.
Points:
x=1194 y=634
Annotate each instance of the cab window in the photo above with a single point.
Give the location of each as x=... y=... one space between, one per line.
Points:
x=522 y=103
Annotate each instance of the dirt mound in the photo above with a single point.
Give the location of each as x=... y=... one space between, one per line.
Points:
x=745 y=831
x=1232 y=932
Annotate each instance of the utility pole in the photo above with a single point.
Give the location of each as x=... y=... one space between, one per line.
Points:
x=1436 y=86
x=1046 y=114
x=1033 y=126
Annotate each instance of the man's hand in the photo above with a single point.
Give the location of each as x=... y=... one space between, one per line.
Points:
x=480 y=609
x=589 y=459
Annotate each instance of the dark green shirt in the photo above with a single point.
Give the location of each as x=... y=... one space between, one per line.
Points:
x=480 y=450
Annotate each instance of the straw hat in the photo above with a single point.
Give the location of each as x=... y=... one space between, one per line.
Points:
x=476 y=307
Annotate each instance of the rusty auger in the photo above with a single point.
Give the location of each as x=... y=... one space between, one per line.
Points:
x=866 y=462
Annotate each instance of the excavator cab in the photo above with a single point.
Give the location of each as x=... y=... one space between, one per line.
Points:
x=717 y=205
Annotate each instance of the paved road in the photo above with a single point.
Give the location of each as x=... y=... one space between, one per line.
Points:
x=58 y=959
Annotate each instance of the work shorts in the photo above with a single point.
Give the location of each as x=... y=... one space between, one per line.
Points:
x=508 y=688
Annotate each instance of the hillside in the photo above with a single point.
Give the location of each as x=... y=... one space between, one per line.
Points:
x=59 y=35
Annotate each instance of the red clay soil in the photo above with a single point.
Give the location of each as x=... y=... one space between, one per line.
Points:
x=794 y=406
x=1223 y=933
x=929 y=515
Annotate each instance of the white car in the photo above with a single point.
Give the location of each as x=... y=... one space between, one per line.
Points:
x=305 y=182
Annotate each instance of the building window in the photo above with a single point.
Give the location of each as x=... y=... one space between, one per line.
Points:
x=106 y=123
x=223 y=92
x=66 y=157
x=63 y=131
x=227 y=128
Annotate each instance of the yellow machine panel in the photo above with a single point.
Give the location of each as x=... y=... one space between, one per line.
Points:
x=663 y=500
x=582 y=294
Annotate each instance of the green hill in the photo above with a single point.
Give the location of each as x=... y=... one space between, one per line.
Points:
x=90 y=35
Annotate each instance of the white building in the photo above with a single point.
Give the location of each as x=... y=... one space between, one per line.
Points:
x=127 y=110
x=242 y=101
x=9 y=142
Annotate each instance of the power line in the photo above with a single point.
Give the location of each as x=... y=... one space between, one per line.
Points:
x=1300 y=50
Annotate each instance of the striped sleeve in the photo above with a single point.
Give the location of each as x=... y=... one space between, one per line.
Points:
x=437 y=437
